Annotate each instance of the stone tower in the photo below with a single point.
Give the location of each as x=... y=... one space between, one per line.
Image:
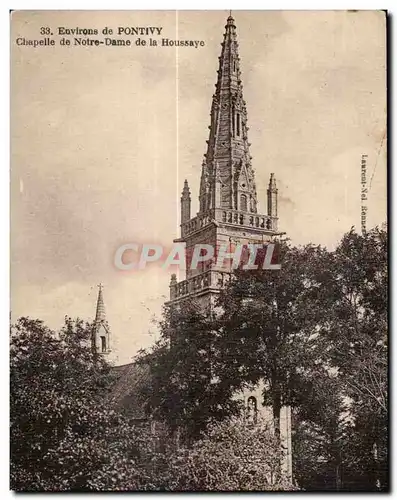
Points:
x=228 y=207
x=101 y=331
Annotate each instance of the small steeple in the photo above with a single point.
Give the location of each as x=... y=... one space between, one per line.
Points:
x=101 y=331
x=100 y=307
x=272 y=197
x=185 y=203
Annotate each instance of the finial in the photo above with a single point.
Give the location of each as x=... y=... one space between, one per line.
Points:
x=100 y=286
x=185 y=190
x=230 y=20
x=272 y=182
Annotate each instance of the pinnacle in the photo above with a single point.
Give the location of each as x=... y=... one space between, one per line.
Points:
x=186 y=190
x=272 y=181
x=230 y=19
x=100 y=308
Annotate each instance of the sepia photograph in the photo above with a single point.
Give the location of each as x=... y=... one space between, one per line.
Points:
x=199 y=251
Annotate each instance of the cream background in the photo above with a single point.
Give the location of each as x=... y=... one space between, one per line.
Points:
x=102 y=139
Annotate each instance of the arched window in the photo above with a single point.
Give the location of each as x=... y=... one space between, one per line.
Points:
x=243 y=202
x=252 y=409
x=103 y=344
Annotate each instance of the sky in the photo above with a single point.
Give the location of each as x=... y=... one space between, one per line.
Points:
x=102 y=139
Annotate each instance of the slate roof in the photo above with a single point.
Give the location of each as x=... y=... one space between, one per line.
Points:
x=127 y=392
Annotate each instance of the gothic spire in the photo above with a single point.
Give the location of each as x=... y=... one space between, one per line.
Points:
x=101 y=331
x=228 y=146
x=100 y=307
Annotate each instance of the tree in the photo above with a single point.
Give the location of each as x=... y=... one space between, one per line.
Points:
x=357 y=315
x=354 y=326
x=319 y=322
x=320 y=428
x=232 y=455
x=267 y=328
x=351 y=343
x=184 y=392
x=64 y=435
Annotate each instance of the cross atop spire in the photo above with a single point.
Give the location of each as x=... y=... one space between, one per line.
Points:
x=228 y=147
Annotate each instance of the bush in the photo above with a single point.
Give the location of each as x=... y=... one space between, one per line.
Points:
x=232 y=455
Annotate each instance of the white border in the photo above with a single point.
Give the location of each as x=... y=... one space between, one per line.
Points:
x=4 y=172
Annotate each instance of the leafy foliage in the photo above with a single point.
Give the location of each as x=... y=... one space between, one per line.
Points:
x=184 y=391
x=266 y=327
x=352 y=342
x=64 y=436
x=232 y=455
x=315 y=332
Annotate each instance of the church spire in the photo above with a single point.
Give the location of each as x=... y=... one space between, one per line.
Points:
x=101 y=331
x=100 y=307
x=228 y=148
